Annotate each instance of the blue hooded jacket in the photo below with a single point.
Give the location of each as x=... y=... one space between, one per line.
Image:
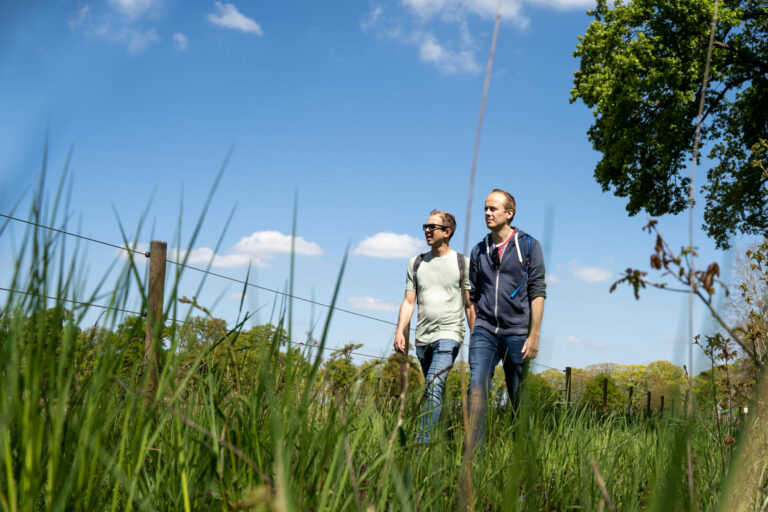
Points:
x=502 y=296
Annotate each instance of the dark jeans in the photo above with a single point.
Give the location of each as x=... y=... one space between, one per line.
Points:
x=436 y=360
x=486 y=349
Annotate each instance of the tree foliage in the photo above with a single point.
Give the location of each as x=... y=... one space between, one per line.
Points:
x=593 y=393
x=641 y=69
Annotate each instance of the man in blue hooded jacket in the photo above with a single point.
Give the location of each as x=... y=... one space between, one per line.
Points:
x=507 y=289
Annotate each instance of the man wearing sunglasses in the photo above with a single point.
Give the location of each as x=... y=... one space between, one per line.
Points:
x=506 y=274
x=439 y=281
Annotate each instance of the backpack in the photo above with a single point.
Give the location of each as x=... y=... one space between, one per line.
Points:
x=527 y=242
x=461 y=262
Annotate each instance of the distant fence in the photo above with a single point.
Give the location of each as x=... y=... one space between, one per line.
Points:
x=630 y=390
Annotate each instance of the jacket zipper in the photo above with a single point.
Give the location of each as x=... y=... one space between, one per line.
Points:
x=496 y=305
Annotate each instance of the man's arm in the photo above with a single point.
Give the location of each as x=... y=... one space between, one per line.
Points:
x=404 y=321
x=469 y=310
x=531 y=346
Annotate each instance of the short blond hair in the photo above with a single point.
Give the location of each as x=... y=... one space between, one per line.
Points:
x=448 y=220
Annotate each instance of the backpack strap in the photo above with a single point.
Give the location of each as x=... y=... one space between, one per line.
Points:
x=416 y=264
x=527 y=242
x=462 y=263
x=528 y=245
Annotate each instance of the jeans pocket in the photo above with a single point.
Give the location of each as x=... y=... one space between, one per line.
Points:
x=515 y=348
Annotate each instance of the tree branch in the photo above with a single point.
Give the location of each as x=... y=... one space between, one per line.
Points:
x=743 y=55
x=727 y=329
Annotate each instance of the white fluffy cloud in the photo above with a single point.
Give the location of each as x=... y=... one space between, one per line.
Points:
x=564 y=4
x=462 y=61
x=104 y=23
x=269 y=243
x=389 y=246
x=415 y=22
x=590 y=274
x=205 y=255
x=255 y=250
x=552 y=279
x=181 y=42
x=132 y=8
x=578 y=341
x=372 y=304
x=424 y=18
x=136 y=41
x=228 y=16
x=453 y=9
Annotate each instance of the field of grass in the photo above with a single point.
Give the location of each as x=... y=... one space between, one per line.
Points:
x=238 y=431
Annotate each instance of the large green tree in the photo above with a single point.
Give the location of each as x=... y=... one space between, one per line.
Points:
x=641 y=69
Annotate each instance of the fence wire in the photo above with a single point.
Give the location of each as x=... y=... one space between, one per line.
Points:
x=207 y=272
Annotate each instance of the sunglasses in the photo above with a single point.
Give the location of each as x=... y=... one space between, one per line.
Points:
x=432 y=227
x=495 y=257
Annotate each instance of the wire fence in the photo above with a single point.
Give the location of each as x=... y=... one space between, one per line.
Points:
x=184 y=265
x=180 y=321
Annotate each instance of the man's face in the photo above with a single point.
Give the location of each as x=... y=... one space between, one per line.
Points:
x=496 y=213
x=437 y=235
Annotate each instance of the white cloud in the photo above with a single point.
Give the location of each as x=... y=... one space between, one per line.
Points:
x=136 y=40
x=255 y=250
x=423 y=18
x=389 y=246
x=458 y=9
x=81 y=17
x=268 y=243
x=181 y=41
x=372 y=19
x=106 y=25
x=578 y=341
x=205 y=255
x=417 y=21
x=132 y=8
x=590 y=274
x=372 y=303
x=552 y=279
x=230 y=17
x=447 y=61
x=564 y=4
x=238 y=296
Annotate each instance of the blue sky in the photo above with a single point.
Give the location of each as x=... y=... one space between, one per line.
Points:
x=367 y=112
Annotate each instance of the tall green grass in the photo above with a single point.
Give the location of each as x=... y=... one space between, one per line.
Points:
x=240 y=432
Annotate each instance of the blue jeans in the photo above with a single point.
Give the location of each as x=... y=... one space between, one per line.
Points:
x=436 y=360
x=486 y=349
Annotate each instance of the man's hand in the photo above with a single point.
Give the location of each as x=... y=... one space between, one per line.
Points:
x=530 y=347
x=400 y=342
x=404 y=321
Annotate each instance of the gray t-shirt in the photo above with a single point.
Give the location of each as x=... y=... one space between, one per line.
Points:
x=441 y=305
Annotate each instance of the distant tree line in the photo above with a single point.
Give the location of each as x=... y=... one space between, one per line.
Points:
x=237 y=356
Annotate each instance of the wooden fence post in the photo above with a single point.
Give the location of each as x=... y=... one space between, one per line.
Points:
x=648 y=405
x=154 y=330
x=567 y=385
x=631 y=393
x=605 y=395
